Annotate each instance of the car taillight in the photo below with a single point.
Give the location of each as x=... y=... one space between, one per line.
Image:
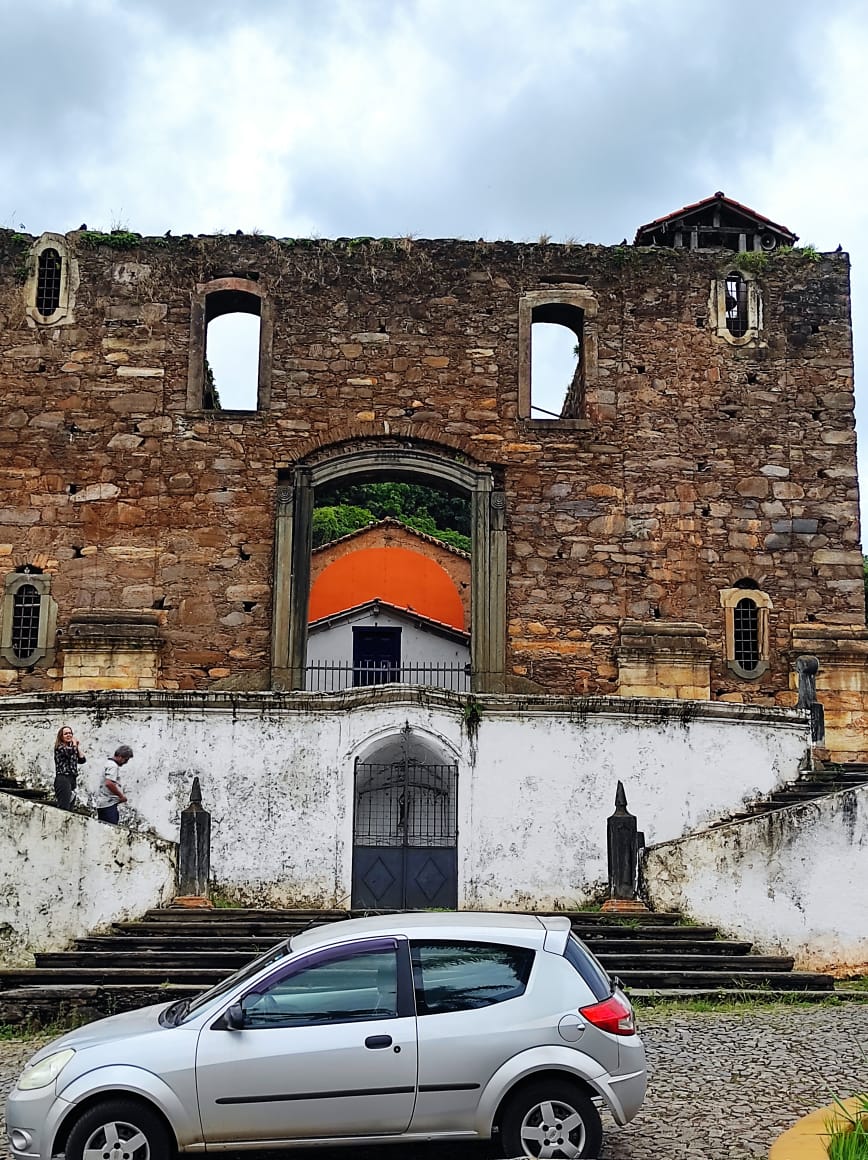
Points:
x=613 y=1014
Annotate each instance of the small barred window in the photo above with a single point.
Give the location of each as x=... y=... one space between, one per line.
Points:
x=26 y=610
x=28 y=618
x=746 y=610
x=737 y=319
x=746 y=635
x=48 y=282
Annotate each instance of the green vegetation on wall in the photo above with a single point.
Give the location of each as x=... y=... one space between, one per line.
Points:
x=347 y=507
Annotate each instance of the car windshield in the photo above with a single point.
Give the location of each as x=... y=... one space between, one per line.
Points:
x=186 y=1007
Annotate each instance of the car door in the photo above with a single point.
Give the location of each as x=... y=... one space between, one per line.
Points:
x=472 y=1017
x=327 y=1048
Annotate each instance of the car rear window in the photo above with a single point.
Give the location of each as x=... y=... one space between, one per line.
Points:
x=581 y=959
x=462 y=976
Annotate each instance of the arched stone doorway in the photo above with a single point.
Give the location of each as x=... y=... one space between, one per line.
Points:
x=405 y=830
x=295 y=501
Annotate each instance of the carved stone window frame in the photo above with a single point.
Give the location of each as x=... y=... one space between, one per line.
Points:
x=44 y=650
x=198 y=338
x=729 y=599
x=69 y=282
x=717 y=311
x=580 y=297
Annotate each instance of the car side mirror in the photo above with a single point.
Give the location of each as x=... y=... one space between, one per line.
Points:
x=235 y=1019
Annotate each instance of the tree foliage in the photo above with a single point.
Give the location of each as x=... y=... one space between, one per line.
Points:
x=345 y=508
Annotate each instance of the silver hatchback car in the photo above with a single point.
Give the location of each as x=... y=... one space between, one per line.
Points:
x=401 y=1027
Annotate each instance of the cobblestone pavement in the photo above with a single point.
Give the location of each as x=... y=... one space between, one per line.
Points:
x=723 y=1086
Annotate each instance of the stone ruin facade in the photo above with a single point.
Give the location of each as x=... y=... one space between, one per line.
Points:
x=685 y=527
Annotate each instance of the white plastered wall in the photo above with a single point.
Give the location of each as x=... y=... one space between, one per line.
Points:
x=792 y=881
x=62 y=875
x=536 y=778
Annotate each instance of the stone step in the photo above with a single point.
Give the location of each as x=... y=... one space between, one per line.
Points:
x=226 y=961
x=648 y=977
x=252 y=946
x=803 y=794
x=222 y=915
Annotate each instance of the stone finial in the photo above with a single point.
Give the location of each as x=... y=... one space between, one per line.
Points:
x=196 y=794
x=620 y=799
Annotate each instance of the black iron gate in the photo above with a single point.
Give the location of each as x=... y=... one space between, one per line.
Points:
x=405 y=840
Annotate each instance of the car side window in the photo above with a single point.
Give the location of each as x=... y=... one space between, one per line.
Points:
x=462 y=976
x=337 y=988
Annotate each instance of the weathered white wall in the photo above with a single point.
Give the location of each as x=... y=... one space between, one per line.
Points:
x=62 y=875
x=793 y=881
x=536 y=780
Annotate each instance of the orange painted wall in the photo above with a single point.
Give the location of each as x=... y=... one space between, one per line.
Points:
x=402 y=577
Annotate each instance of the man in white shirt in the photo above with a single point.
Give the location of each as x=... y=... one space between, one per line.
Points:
x=110 y=795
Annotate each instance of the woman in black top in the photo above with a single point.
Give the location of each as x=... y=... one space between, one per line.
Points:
x=67 y=758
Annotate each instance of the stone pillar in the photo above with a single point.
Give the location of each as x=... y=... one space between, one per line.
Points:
x=194 y=852
x=664 y=658
x=112 y=648
x=623 y=841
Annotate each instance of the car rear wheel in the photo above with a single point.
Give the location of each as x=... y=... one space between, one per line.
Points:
x=551 y=1119
x=119 y=1130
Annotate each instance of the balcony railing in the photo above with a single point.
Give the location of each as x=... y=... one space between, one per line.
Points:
x=333 y=676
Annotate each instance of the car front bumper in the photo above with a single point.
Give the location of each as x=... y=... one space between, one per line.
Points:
x=32 y=1121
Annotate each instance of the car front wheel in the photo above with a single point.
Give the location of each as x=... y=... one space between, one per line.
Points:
x=551 y=1119
x=119 y=1130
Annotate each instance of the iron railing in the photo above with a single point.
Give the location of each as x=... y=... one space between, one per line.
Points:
x=335 y=676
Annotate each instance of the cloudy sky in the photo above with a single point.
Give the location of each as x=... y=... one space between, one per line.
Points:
x=461 y=118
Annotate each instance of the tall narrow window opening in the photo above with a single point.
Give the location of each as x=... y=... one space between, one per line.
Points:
x=557 y=355
x=232 y=344
x=48 y=277
x=737 y=311
x=557 y=379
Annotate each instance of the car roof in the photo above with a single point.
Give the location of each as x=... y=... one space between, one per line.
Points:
x=526 y=929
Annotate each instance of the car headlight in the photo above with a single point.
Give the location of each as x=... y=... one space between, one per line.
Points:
x=46 y=1071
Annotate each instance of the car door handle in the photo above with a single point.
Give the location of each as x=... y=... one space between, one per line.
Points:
x=375 y=1041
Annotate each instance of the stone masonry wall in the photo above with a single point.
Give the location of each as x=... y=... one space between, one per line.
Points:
x=698 y=462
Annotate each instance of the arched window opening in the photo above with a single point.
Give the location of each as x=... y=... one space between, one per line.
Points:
x=737 y=312
x=48 y=282
x=746 y=635
x=27 y=617
x=557 y=372
x=232 y=345
x=746 y=622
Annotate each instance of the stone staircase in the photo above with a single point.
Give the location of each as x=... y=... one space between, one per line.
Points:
x=829 y=778
x=173 y=952
x=28 y=793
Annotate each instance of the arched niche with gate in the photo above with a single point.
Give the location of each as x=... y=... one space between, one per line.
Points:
x=405 y=830
x=293 y=537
